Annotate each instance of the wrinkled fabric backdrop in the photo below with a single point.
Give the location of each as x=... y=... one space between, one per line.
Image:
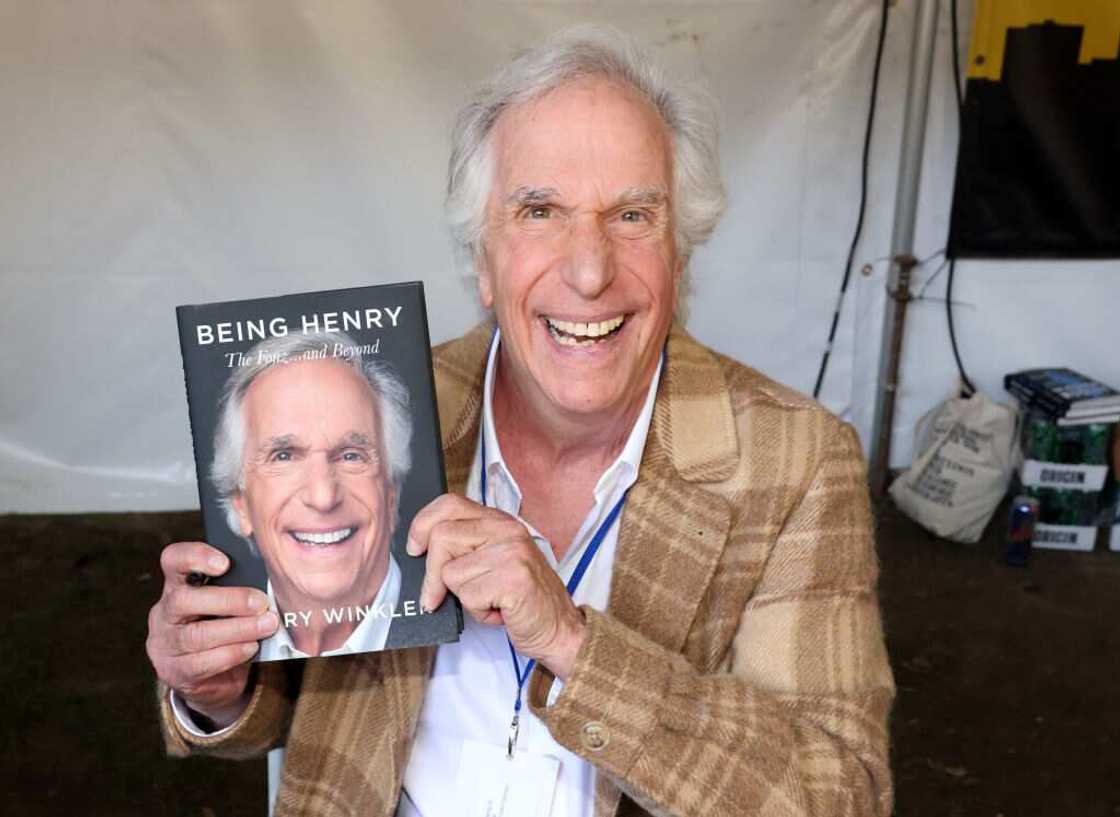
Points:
x=154 y=154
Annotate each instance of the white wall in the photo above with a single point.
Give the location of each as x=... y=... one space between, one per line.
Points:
x=160 y=153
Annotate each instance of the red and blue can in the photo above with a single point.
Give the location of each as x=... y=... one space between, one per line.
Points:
x=1020 y=530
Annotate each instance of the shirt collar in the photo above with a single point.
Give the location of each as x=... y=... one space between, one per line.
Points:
x=370 y=634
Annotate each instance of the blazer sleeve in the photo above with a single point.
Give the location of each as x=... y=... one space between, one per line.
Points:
x=262 y=726
x=812 y=739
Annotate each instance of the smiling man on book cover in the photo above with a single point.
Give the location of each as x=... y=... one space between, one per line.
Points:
x=310 y=453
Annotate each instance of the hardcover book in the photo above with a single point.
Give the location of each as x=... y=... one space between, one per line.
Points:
x=1033 y=400
x=316 y=442
x=1061 y=391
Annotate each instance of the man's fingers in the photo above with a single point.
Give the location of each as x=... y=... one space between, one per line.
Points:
x=180 y=559
x=462 y=536
x=196 y=668
x=489 y=578
x=473 y=565
x=492 y=617
x=448 y=541
x=433 y=591
x=443 y=508
x=479 y=596
x=449 y=573
x=449 y=527
x=183 y=604
x=206 y=634
x=452 y=539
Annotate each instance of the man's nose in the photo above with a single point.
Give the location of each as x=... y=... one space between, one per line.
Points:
x=590 y=263
x=321 y=489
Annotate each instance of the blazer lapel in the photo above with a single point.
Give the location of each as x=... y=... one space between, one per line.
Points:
x=460 y=368
x=673 y=532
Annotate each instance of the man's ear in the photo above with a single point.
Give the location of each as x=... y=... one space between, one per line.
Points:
x=241 y=506
x=485 y=284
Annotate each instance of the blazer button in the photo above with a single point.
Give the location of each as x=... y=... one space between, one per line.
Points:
x=595 y=736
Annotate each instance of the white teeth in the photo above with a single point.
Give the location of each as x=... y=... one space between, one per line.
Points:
x=569 y=333
x=326 y=538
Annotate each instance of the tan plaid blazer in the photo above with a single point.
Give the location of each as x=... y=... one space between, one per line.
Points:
x=739 y=668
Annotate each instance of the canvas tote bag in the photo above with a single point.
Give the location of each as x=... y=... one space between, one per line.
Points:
x=964 y=459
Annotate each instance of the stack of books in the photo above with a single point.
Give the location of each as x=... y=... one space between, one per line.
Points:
x=1067 y=397
x=1067 y=429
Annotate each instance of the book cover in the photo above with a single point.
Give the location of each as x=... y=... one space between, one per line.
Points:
x=316 y=442
x=1031 y=393
x=1098 y=405
x=1034 y=401
x=1065 y=389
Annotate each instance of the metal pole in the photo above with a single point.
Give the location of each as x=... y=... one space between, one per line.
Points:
x=902 y=236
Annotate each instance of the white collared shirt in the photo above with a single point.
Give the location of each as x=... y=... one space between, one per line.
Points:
x=473 y=687
x=369 y=635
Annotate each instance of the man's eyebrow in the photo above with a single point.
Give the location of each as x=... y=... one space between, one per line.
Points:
x=649 y=196
x=279 y=441
x=356 y=439
x=524 y=196
x=652 y=196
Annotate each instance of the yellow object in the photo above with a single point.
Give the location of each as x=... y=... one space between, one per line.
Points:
x=1100 y=19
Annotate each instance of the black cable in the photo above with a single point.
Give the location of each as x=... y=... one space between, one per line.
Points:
x=862 y=199
x=958 y=90
x=968 y=389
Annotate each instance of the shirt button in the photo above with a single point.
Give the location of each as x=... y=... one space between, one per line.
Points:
x=595 y=736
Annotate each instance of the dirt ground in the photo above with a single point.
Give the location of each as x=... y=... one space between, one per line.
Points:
x=1007 y=677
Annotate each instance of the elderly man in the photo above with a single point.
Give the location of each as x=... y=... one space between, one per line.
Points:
x=310 y=455
x=666 y=557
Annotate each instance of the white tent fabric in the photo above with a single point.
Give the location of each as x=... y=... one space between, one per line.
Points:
x=159 y=153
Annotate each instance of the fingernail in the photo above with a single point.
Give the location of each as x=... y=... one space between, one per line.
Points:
x=267 y=623
x=217 y=562
x=412 y=548
x=250 y=648
x=257 y=601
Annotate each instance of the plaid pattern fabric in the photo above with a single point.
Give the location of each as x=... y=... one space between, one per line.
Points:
x=740 y=668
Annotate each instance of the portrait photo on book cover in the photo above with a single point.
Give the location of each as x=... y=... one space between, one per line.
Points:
x=312 y=448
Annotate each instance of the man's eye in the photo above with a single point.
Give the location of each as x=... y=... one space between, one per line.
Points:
x=538 y=212
x=281 y=456
x=353 y=456
x=633 y=216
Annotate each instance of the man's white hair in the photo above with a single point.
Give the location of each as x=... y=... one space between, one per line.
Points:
x=227 y=472
x=698 y=198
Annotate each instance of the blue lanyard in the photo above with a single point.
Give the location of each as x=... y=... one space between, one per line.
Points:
x=573 y=583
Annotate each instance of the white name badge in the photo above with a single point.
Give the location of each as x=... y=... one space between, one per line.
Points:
x=491 y=784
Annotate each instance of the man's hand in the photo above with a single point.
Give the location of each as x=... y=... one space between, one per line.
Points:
x=487 y=559
x=200 y=639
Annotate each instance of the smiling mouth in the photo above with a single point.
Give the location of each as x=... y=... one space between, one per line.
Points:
x=572 y=333
x=322 y=539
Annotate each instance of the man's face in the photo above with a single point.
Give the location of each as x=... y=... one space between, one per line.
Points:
x=578 y=258
x=317 y=495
